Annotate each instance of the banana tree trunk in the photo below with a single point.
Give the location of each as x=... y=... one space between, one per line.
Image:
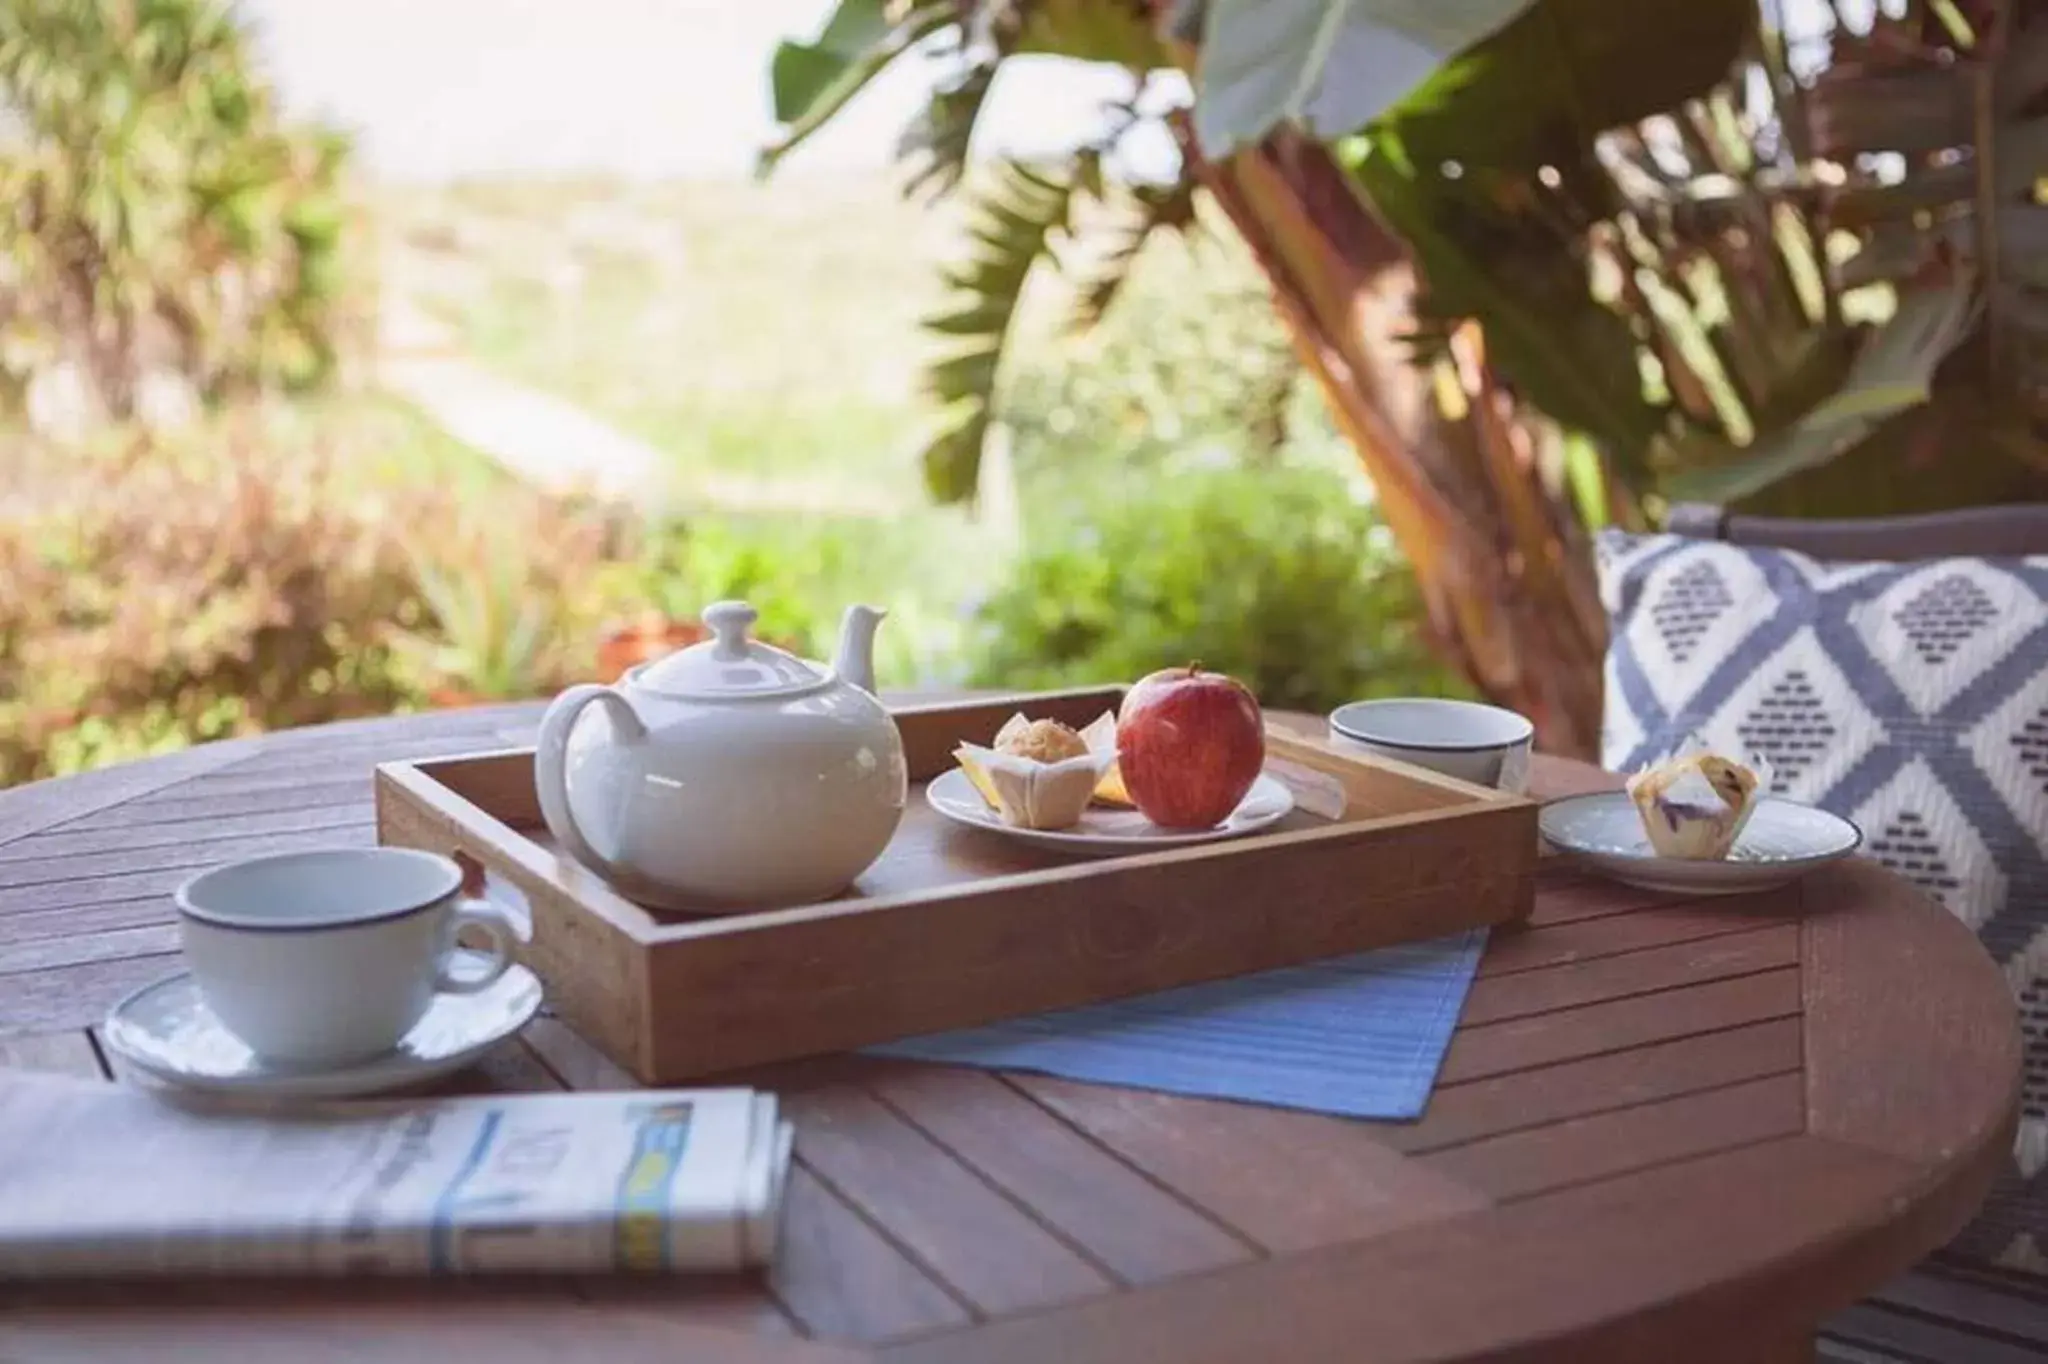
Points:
x=1502 y=561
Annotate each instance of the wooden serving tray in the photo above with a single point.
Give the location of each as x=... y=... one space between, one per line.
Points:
x=955 y=926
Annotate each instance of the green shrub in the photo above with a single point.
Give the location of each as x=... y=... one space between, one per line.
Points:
x=262 y=571
x=156 y=214
x=801 y=573
x=1279 y=577
x=1189 y=366
x=154 y=594
x=513 y=590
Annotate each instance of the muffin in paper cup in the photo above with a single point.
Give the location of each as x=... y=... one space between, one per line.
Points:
x=1693 y=804
x=1040 y=774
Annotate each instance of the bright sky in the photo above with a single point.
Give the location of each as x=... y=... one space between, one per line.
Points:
x=436 y=89
x=642 y=88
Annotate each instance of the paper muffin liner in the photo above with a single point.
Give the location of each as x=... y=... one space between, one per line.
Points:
x=1031 y=794
x=1684 y=814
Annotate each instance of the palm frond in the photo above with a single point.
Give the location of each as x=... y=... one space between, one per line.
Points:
x=1155 y=208
x=1014 y=223
x=936 y=144
x=1960 y=113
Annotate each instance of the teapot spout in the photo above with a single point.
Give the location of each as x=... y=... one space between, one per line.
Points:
x=855 y=659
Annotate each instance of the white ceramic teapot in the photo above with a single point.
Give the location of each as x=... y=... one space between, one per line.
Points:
x=728 y=773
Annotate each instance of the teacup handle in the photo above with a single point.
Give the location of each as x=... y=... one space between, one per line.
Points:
x=497 y=927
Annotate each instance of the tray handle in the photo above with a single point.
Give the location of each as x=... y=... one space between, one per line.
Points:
x=550 y=766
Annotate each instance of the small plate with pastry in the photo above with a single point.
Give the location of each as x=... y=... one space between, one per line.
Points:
x=1193 y=741
x=1698 y=824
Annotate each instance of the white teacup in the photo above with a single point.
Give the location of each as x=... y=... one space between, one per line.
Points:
x=329 y=957
x=1484 y=745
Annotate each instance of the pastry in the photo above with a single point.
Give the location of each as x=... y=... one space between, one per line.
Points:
x=1694 y=806
x=1039 y=774
x=1046 y=741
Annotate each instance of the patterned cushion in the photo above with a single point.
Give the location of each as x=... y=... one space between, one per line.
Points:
x=1912 y=698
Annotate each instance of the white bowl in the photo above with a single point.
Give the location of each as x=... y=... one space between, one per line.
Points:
x=1482 y=744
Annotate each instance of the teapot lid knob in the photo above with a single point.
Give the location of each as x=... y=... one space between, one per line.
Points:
x=730 y=621
x=731 y=665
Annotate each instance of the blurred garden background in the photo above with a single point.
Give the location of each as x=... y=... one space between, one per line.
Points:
x=362 y=357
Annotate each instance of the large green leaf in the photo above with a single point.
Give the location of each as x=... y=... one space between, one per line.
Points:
x=810 y=82
x=1332 y=65
x=1482 y=258
x=801 y=74
x=1489 y=172
x=1538 y=91
x=1893 y=371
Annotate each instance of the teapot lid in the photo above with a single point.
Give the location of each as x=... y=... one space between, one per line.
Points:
x=731 y=665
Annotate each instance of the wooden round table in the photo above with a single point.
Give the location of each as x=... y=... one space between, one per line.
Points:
x=1666 y=1131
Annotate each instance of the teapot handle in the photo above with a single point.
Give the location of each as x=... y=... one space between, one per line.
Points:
x=550 y=766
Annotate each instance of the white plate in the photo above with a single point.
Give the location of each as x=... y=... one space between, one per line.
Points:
x=166 y=1032
x=1108 y=832
x=1782 y=841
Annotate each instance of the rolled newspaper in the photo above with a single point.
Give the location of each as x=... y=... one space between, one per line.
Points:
x=108 y=1181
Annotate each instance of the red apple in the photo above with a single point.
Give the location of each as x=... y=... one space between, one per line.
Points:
x=1189 y=745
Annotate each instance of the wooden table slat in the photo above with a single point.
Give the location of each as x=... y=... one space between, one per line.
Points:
x=1524 y=1099
x=1603 y=1145
x=1525 y=994
x=1568 y=1034
x=1126 y=1223
x=842 y=1278
x=1287 y=1180
x=194 y=801
x=27 y=885
x=1565 y=895
x=42 y=805
x=576 y=1061
x=1582 y=940
x=233 y=782
x=94 y=852
x=1870 y=1008
x=107 y=944
x=1607 y=1267
x=740 y=1303
x=992 y=1253
x=73 y=996
x=318 y=761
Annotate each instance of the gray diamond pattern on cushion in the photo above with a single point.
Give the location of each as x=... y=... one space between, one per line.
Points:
x=1911 y=698
x=1906 y=846
x=2032 y=743
x=1941 y=619
x=1689 y=607
x=1790 y=726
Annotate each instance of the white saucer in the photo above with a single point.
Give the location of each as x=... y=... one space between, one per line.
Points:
x=166 y=1032
x=1782 y=841
x=1106 y=832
